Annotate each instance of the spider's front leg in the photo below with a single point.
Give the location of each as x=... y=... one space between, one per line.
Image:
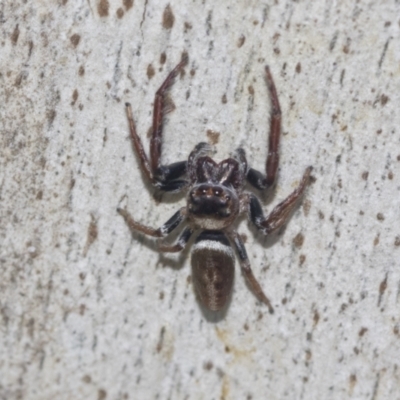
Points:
x=254 y=177
x=246 y=269
x=280 y=213
x=164 y=177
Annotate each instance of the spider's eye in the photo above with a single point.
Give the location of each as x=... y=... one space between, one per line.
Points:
x=217 y=192
x=204 y=191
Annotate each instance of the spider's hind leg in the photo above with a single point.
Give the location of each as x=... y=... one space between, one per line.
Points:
x=164 y=230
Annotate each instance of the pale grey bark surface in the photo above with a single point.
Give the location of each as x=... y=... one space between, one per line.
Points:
x=89 y=311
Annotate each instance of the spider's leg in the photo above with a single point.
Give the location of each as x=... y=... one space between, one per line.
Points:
x=180 y=243
x=159 y=112
x=163 y=177
x=256 y=178
x=166 y=175
x=280 y=213
x=138 y=145
x=246 y=270
x=164 y=230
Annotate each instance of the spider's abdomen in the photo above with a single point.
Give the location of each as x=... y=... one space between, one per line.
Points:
x=213 y=263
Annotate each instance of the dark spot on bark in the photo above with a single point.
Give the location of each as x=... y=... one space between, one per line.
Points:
x=208 y=366
x=187 y=26
x=376 y=240
x=276 y=50
x=128 y=4
x=163 y=58
x=120 y=13
x=75 y=39
x=352 y=380
x=298 y=240
x=397 y=241
x=82 y=309
x=390 y=175
x=161 y=340
x=316 y=317
x=251 y=90
x=31 y=327
x=75 y=95
x=81 y=71
x=39 y=195
x=150 y=71
x=102 y=8
x=87 y=379
x=51 y=115
x=18 y=79
x=383 y=286
x=168 y=18
x=321 y=215
x=92 y=234
x=380 y=217
x=364 y=175
x=384 y=99
x=185 y=59
x=302 y=259
x=362 y=332
x=15 y=36
x=213 y=136
x=224 y=99
x=241 y=41
x=192 y=72
x=298 y=67
x=102 y=394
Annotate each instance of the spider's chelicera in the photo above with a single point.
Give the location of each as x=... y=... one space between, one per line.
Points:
x=215 y=199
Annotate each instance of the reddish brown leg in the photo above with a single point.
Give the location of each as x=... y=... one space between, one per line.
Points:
x=168 y=227
x=280 y=213
x=158 y=116
x=255 y=177
x=138 y=145
x=164 y=177
x=274 y=132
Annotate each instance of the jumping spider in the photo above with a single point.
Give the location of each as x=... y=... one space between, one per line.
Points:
x=215 y=199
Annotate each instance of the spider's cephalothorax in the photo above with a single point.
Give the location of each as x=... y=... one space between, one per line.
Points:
x=215 y=198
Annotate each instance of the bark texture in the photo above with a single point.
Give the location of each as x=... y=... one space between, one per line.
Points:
x=88 y=311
